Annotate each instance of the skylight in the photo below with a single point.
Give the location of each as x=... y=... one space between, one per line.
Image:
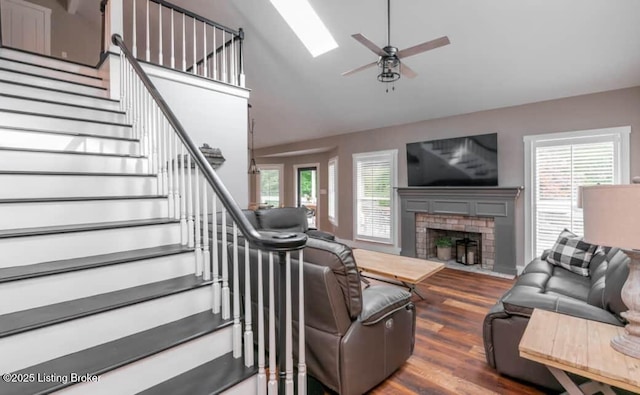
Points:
x=306 y=24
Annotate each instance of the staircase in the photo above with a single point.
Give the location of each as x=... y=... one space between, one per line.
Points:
x=98 y=291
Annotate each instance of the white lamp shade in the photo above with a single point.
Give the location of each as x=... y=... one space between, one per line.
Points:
x=612 y=215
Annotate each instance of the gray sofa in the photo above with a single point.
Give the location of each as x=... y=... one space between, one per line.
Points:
x=549 y=287
x=355 y=338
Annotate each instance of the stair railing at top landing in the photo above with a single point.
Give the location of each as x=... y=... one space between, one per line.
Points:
x=171 y=152
x=170 y=36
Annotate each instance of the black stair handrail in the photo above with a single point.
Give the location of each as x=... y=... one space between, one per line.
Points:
x=272 y=242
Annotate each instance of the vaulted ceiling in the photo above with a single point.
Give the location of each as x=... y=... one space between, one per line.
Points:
x=502 y=53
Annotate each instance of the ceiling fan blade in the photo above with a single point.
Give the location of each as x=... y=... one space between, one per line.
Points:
x=429 y=45
x=367 y=43
x=407 y=71
x=366 y=66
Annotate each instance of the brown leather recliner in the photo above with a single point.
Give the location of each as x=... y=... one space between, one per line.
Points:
x=355 y=338
x=545 y=286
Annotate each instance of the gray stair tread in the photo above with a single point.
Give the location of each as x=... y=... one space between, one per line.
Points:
x=52 y=68
x=53 y=78
x=45 y=230
x=69 y=265
x=112 y=355
x=75 y=173
x=39 y=317
x=211 y=378
x=62 y=103
x=78 y=153
x=67 y=118
x=81 y=198
x=59 y=90
x=68 y=133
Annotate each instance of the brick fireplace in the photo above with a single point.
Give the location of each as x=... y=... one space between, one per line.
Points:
x=429 y=227
x=486 y=212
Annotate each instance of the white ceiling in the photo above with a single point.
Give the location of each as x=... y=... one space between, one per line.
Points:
x=502 y=53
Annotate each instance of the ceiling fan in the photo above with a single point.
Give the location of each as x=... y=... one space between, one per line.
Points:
x=389 y=57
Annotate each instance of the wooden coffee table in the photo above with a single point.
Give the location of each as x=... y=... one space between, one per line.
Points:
x=569 y=344
x=401 y=269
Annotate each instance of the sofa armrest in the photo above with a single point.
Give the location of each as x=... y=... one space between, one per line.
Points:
x=522 y=302
x=319 y=234
x=380 y=301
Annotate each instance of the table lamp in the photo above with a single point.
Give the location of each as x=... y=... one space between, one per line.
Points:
x=612 y=218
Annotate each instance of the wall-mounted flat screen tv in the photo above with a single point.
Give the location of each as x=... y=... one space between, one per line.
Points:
x=459 y=161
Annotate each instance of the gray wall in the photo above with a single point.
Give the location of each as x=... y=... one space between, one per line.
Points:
x=217 y=119
x=77 y=35
x=606 y=109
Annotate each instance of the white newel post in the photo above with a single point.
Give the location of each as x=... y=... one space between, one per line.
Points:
x=110 y=68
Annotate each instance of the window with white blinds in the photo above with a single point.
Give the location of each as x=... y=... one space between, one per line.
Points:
x=269 y=185
x=374 y=179
x=559 y=166
x=332 y=198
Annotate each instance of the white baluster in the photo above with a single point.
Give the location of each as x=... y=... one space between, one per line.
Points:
x=288 y=380
x=223 y=63
x=204 y=48
x=262 y=374
x=176 y=176
x=190 y=225
x=195 y=58
x=165 y=160
x=248 y=330
x=148 y=51
x=173 y=44
x=237 y=327
x=160 y=148
x=214 y=61
x=302 y=363
x=184 y=46
x=160 y=57
x=170 y=191
x=134 y=31
x=216 y=263
x=226 y=301
x=183 y=199
x=156 y=144
x=272 y=389
x=198 y=229
x=232 y=61
x=206 y=255
x=145 y=119
x=122 y=82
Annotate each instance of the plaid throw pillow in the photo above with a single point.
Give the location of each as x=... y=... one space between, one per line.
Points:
x=571 y=253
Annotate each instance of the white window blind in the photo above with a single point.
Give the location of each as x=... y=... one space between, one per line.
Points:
x=561 y=166
x=269 y=186
x=332 y=197
x=374 y=182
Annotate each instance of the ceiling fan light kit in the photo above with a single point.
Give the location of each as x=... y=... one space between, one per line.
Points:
x=389 y=58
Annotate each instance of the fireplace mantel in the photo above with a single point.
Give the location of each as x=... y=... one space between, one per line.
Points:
x=495 y=202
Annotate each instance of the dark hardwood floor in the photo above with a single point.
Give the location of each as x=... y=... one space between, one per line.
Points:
x=449 y=355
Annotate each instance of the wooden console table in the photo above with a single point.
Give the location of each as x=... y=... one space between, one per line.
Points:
x=407 y=271
x=569 y=344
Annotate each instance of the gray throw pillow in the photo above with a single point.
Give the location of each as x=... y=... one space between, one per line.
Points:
x=572 y=253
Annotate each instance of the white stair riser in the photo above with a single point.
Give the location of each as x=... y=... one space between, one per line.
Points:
x=49 y=62
x=45 y=94
x=247 y=387
x=26 y=250
x=11 y=138
x=41 y=291
x=47 y=161
x=42 y=122
x=39 y=107
x=36 y=214
x=39 y=345
x=52 y=84
x=146 y=373
x=47 y=72
x=41 y=185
